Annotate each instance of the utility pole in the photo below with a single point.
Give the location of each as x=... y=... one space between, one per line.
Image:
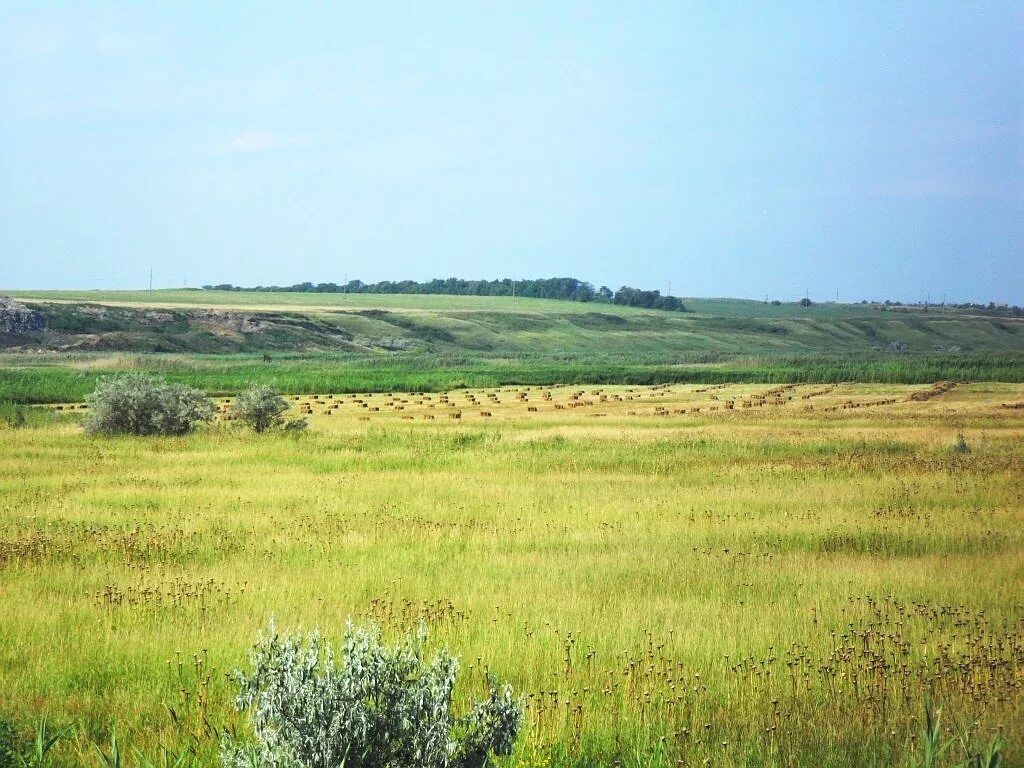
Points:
x=150 y=281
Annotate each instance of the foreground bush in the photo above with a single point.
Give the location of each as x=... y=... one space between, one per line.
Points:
x=377 y=707
x=138 y=404
x=260 y=406
x=8 y=743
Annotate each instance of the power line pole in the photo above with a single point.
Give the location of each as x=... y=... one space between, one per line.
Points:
x=150 y=281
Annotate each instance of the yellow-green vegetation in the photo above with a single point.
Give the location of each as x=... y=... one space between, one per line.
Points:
x=742 y=574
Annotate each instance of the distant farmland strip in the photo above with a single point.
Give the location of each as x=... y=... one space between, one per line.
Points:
x=65 y=382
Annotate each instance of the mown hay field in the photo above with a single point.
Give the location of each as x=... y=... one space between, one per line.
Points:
x=743 y=574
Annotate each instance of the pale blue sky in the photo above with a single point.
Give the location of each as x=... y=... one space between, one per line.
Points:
x=734 y=149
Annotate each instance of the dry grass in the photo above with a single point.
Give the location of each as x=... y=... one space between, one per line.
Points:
x=773 y=584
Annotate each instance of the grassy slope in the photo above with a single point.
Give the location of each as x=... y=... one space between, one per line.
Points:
x=532 y=327
x=337 y=342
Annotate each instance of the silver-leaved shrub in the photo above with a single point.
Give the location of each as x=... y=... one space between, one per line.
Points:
x=375 y=707
x=261 y=407
x=139 y=404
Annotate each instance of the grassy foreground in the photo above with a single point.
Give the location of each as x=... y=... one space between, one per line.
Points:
x=666 y=579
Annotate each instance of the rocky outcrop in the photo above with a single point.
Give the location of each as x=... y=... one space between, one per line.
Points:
x=230 y=321
x=17 y=319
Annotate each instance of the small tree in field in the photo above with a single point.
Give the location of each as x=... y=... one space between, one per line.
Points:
x=260 y=406
x=139 y=404
x=375 y=707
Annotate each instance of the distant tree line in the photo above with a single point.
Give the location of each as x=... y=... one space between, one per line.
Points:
x=983 y=309
x=564 y=288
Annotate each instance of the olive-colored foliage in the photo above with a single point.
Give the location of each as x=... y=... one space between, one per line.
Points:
x=261 y=407
x=138 y=404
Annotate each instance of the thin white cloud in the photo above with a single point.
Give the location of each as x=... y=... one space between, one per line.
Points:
x=74 y=32
x=252 y=141
x=259 y=141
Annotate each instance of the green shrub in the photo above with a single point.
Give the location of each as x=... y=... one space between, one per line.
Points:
x=16 y=416
x=39 y=752
x=378 y=707
x=295 y=426
x=139 y=404
x=260 y=406
x=961 y=445
x=13 y=415
x=9 y=744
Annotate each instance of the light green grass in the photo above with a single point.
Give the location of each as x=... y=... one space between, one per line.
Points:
x=327 y=301
x=721 y=580
x=407 y=329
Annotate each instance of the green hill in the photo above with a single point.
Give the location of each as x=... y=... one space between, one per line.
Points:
x=219 y=322
x=339 y=342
